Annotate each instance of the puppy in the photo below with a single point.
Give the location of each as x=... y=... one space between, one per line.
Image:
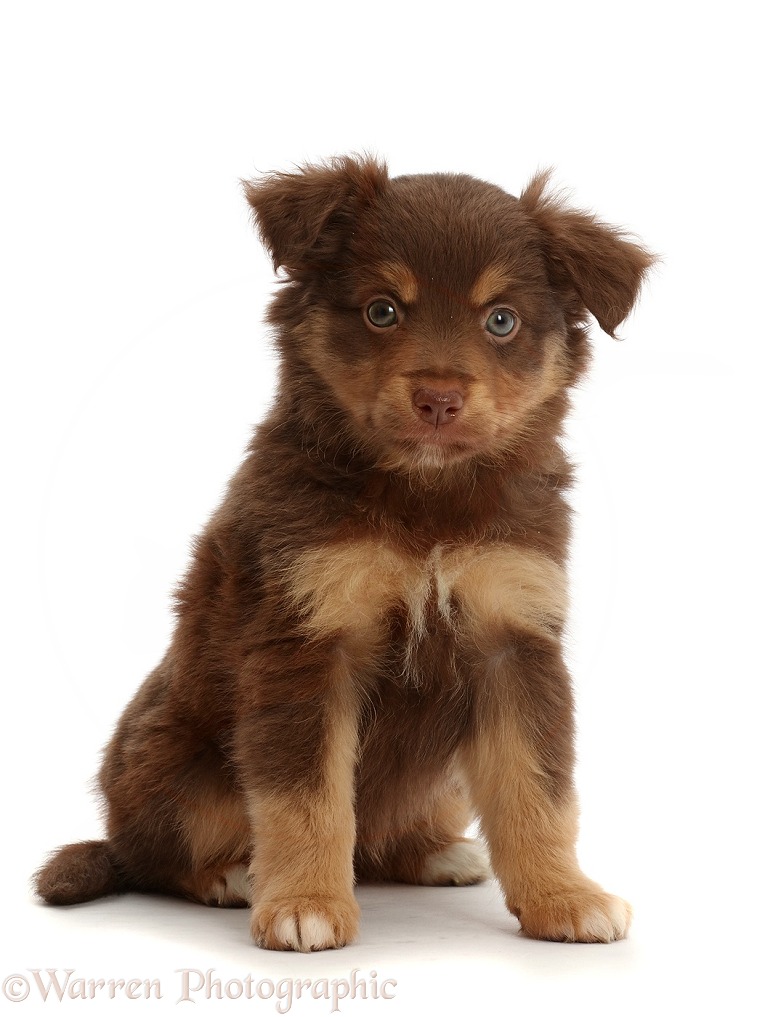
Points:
x=368 y=642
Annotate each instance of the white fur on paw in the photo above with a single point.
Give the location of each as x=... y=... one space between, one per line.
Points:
x=237 y=885
x=306 y=923
x=310 y=932
x=604 y=925
x=589 y=916
x=460 y=864
x=231 y=889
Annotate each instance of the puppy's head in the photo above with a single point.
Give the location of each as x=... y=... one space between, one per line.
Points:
x=443 y=317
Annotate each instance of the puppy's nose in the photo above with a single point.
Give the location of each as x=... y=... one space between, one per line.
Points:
x=436 y=407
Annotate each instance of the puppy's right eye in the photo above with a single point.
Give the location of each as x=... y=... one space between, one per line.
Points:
x=381 y=314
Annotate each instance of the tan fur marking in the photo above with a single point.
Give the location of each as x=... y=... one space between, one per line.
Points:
x=516 y=400
x=554 y=374
x=531 y=840
x=302 y=866
x=505 y=783
x=349 y=588
x=491 y=283
x=498 y=585
x=346 y=587
x=400 y=278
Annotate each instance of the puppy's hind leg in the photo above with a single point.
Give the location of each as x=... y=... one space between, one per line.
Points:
x=176 y=824
x=188 y=835
x=219 y=886
x=433 y=852
x=462 y=863
x=216 y=833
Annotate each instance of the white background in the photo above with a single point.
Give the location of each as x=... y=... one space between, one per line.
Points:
x=134 y=364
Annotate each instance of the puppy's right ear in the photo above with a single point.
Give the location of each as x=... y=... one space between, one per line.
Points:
x=302 y=217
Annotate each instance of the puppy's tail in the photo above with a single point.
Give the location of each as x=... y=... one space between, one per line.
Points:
x=77 y=873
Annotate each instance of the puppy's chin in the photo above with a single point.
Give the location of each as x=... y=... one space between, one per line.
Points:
x=427 y=457
x=424 y=463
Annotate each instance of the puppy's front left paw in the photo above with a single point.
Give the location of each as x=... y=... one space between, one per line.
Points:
x=305 y=924
x=586 y=915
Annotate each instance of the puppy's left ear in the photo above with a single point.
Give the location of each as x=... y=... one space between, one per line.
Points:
x=595 y=260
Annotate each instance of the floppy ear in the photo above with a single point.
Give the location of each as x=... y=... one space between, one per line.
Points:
x=602 y=266
x=301 y=217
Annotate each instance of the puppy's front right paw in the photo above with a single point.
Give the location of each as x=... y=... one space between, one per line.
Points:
x=305 y=924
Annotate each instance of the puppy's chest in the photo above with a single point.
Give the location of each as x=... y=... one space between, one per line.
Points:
x=373 y=592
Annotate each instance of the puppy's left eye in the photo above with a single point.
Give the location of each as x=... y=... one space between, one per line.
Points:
x=502 y=323
x=381 y=313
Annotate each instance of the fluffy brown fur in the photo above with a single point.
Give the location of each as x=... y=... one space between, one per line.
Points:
x=368 y=646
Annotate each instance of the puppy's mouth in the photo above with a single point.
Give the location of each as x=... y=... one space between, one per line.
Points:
x=445 y=442
x=449 y=435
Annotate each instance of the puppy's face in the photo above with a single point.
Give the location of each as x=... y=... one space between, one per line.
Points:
x=439 y=334
x=438 y=310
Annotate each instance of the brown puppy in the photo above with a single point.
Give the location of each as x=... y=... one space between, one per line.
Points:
x=368 y=647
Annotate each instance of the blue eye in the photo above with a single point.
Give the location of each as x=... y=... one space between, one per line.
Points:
x=381 y=313
x=502 y=323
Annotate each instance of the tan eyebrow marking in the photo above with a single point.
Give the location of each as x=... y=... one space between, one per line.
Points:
x=492 y=281
x=400 y=278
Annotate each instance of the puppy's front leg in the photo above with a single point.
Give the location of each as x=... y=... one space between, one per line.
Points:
x=519 y=765
x=298 y=752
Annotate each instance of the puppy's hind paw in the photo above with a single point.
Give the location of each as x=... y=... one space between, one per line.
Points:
x=463 y=863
